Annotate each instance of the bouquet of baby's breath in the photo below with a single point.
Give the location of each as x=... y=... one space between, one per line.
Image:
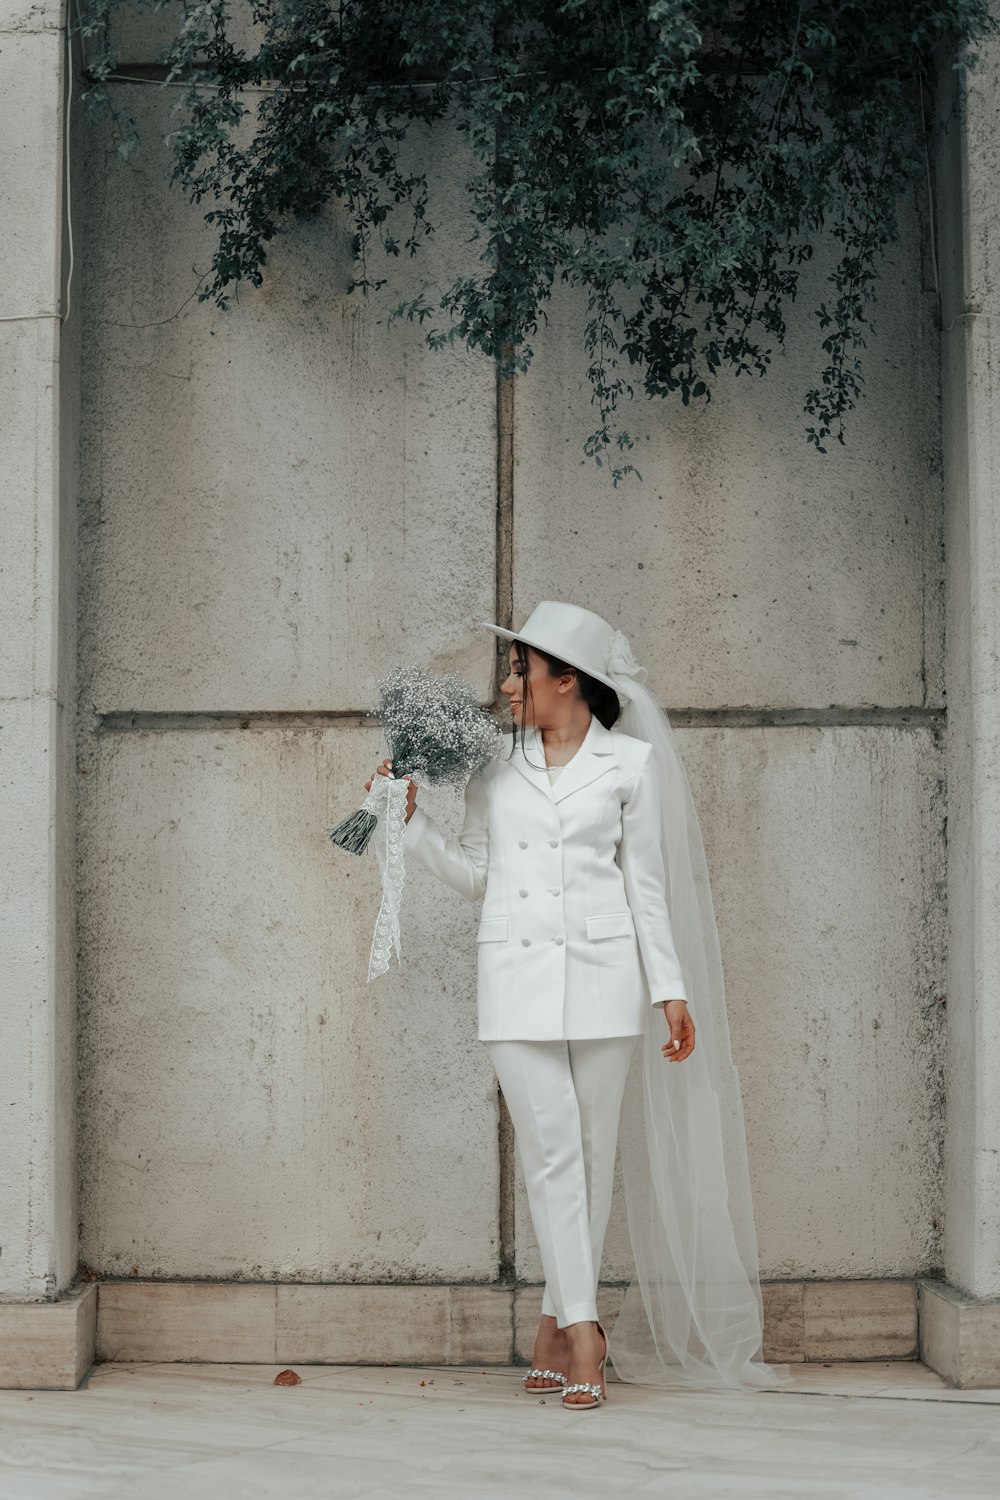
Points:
x=434 y=728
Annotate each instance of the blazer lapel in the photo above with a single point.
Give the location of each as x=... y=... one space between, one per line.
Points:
x=596 y=755
x=531 y=763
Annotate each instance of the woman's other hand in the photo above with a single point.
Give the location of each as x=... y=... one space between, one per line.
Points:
x=411 y=786
x=681 y=1043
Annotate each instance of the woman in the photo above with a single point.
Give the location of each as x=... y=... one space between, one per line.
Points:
x=578 y=861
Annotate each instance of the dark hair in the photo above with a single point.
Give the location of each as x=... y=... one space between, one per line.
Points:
x=601 y=699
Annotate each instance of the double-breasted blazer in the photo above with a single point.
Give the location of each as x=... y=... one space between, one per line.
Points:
x=574 y=937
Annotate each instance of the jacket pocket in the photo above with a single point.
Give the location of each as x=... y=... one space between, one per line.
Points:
x=611 y=924
x=492 y=930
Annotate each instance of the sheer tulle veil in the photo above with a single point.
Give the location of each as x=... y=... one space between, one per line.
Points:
x=693 y=1314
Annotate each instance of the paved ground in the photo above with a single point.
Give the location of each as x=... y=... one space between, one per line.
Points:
x=875 y=1431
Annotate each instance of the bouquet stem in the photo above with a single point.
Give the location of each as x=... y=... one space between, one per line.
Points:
x=353 y=833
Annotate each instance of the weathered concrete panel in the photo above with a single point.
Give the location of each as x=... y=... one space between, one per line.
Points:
x=280 y=499
x=746 y=568
x=251 y=1109
x=29 y=17
x=140 y=35
x=826 y=853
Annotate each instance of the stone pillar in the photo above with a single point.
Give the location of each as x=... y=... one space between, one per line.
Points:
x=46 y=1326
x=960 y=1319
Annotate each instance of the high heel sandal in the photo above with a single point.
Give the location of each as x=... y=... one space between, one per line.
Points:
x=545 y=1375
x=597 y=1391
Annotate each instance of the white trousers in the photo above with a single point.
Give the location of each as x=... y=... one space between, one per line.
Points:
x=565 y=1100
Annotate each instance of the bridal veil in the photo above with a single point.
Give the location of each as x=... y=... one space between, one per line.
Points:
x=693 y=1314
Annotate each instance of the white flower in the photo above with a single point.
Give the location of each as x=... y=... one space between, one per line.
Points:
x=620 y=660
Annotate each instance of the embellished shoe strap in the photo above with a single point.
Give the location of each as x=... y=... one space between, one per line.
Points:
x=594 y=1389
x=546 y=1375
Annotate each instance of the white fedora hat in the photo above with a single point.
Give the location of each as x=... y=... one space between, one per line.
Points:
x=575 y=635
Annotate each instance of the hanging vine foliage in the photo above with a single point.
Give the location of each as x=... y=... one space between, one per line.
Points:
x=679 y=160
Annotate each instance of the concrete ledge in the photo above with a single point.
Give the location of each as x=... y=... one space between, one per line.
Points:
x=441 y=1325
x=855 y=1320
x=48 y=1346
x=959 y=1335
x=208 y=1322
x=803 y=1320
x=254 y=1322
x=264 y=1323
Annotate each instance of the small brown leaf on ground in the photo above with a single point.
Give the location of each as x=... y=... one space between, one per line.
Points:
x=287 y=1377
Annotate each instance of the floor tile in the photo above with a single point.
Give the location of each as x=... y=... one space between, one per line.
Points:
x=879 y=1430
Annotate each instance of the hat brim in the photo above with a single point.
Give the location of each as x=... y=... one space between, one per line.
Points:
x=515 y=635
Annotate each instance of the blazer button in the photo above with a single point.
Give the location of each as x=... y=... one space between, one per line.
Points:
x=525 y=942
x=522 y=893
x=554 y=891
x=522 y=843
x=553 y=843
x=559 y=942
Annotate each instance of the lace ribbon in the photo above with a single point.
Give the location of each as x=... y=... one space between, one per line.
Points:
x=387 y=802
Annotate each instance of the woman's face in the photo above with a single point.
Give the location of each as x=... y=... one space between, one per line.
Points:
x=550 y=696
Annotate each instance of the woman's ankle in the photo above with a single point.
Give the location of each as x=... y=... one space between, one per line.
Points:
x=581 y=1328
x=549 y=1335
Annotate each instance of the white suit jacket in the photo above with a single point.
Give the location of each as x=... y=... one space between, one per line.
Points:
x=574 y=938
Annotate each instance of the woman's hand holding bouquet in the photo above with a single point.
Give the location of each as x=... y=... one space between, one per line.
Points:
x=385 y=769
x=433 y=725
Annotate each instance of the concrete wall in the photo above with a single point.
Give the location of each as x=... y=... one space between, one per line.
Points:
x=831 y=932
x=277 y=503
x=968 y=204
x=39 y=401
x=747 y=569
x=250 y=1109
x=280 y=501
